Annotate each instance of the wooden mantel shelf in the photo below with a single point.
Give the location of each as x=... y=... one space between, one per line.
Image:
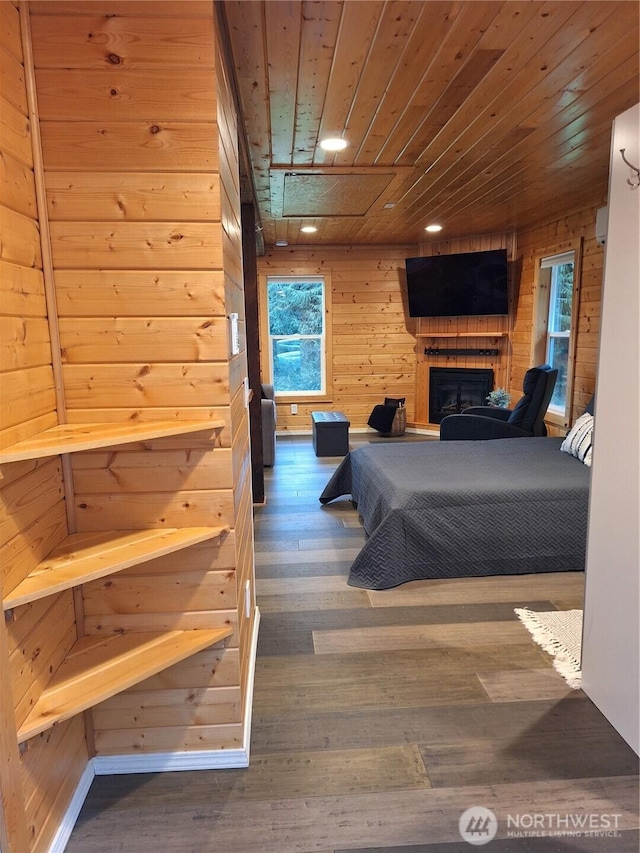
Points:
x=84 y=557
x=462 y=335
x=72 y=438
x=97 y=667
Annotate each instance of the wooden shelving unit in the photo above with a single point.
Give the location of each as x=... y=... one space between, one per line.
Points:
x=124 y=324
x=72 y=438
x=84 y=557
x=98 y=667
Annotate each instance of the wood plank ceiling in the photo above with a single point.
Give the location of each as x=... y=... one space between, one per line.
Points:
x=481 y=116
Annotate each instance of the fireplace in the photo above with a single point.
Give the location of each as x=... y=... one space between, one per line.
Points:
x=451 y=390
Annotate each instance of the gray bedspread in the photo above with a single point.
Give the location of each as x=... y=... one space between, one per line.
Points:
x=464 y=508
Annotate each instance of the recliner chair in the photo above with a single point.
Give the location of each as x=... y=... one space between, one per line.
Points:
x=526 y=419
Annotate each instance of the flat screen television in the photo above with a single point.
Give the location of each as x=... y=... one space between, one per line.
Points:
x=470 y=283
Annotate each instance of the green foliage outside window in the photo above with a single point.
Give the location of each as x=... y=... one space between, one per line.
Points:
x=295 y=307
x=296 y=328
x=560 y=305
x=561 y=299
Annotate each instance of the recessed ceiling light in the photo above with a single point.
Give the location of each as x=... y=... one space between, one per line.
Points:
x=389 y=205
x=282 y=243
x=308 y=229
x=333 y=144
x=432 y=229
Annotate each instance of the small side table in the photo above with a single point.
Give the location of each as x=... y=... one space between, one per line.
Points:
x=330 y=433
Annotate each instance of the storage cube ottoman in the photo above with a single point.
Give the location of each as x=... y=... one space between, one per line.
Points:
x=330 y=433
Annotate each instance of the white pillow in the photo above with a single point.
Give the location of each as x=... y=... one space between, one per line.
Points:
x=579 y=439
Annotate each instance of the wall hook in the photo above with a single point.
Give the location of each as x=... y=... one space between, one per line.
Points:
x=632 y=183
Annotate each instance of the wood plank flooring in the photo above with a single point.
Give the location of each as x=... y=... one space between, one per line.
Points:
x=380 y=717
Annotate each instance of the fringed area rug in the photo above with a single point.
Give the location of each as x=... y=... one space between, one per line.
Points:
x=559 y=632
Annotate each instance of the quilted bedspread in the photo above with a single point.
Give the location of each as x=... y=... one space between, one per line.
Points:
x=464 y=508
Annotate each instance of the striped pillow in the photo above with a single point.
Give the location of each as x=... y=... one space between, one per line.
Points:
x=579 y=439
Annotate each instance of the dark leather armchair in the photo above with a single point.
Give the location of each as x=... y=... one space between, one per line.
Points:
x=479 y=423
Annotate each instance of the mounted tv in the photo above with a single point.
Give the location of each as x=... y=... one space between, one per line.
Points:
x=470 y=283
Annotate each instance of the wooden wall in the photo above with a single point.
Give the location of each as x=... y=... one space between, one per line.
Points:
x=140 y=170
x=123 y=141
x=377 y=349
x=32 y=508
x=368 y=305
x=231 y=234
x=373 y=339
x=555 y=236
x=464 y=332
x=140 y=165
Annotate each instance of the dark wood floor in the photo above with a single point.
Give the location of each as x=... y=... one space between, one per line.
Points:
x=379 y=718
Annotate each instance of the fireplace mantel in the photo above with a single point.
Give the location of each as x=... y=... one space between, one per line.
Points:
x=473 y=343
x=461 y=335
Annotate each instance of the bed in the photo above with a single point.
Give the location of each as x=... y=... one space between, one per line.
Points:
x=453 y=509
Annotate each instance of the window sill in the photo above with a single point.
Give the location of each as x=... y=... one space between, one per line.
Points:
x=557 y=420
x=285 y=399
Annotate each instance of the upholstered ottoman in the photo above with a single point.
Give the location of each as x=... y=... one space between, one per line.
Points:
x=330 y=433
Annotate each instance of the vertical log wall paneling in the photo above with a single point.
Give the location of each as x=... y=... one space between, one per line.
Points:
x=554 y=236
x=37 y=786
x=140 y=164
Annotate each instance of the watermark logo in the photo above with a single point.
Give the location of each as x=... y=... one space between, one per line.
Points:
x=555 y=825
x=478 y=825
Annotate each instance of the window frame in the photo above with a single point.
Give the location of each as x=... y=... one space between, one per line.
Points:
x=265 y=338
x=541 y=334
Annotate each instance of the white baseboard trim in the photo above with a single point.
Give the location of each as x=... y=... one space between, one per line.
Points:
x=63 y=833
x=164 y=762
x=251 y=678
x=205 y=759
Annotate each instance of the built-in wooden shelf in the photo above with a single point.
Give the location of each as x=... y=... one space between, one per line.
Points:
x=84 y=557
x=462 y=335
x=100 y=666
x=72 y=438
x=97 y=667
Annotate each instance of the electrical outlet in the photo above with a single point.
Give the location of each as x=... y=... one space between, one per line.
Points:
x=294 y=408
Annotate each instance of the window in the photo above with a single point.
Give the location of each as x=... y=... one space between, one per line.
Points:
x=297 y=335
x=555 y=325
